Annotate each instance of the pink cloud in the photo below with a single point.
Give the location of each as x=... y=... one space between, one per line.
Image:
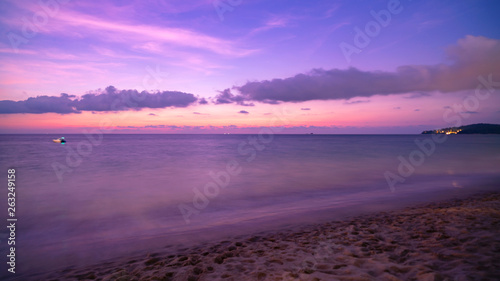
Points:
x=147 y=33
x=118 y=29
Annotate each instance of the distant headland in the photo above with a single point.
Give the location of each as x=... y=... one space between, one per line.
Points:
x=480 y=128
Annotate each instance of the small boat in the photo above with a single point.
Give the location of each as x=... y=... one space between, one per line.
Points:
x=59 y=140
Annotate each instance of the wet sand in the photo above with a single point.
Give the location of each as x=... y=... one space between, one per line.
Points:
x=452 y=240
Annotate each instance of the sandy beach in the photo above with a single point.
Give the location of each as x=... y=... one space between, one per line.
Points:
x=452 y=240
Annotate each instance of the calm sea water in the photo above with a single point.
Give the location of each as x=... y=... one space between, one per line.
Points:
x=82 y=202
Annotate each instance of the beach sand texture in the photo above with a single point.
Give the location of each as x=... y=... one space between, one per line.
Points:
x=452 y=240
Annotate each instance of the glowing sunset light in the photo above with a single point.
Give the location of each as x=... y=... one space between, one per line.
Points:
x=174 y=67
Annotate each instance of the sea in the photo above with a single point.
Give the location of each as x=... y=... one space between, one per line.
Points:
x=100 y=197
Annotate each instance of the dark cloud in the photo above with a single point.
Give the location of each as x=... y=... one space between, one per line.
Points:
x=202 y=101
x=226 y=96
x=357 y=101
x=417 y=109
x=41 y=104
x=397 y=107
x=305 y=108
x=470 y=112
x=115 y=100
x=110 y=99
x=152 y=114
x=243 y=112
x=417 y=95
x=198 y=113
x=127 y=127
x=470 y=57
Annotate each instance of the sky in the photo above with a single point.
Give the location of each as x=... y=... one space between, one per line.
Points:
x=238 y=66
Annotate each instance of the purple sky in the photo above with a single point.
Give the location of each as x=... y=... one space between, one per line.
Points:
x=232 y=66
